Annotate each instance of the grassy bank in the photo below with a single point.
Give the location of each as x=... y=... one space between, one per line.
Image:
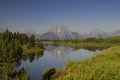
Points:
x=79 y=44
x=104 y=66
x=31 y=50
x=87 y=44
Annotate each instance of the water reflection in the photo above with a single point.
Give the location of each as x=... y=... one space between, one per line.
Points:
x=32 y=56
x=55 y=57
x=91 y=48
x=59 y=51
x=63 y=51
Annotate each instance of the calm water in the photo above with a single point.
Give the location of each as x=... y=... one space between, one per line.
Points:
x=54 y=57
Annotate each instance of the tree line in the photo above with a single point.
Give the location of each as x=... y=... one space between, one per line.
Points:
x=96 y=40
x=11 y=54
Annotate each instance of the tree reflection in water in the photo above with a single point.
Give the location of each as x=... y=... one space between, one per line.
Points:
x=32 y=56
x=62 y=51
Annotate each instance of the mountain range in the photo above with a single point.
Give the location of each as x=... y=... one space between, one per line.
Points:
x=97 y=33
x=115 y=33
x=61 y=32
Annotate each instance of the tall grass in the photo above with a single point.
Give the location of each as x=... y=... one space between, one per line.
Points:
x=103 y=66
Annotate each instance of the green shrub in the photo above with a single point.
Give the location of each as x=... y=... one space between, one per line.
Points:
x=48 y=73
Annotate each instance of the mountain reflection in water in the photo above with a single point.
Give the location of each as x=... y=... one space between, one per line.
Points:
x=59 y=52
x=54 y=57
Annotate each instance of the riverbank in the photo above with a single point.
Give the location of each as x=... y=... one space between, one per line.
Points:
x=78 y=44
x=31 y=50
x=103 y=66
x=87 y=44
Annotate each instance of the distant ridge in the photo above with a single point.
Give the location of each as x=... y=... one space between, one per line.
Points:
x=97 y=33
x=115 y=33
x=59 y=32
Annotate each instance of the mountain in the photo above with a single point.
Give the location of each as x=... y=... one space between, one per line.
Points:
x=62 y=32
x=30 y=32
x=76 y=35
x=59 y=51
x=48 y=36
x=97 y=33
x=85 y=35
x=59 y=32
x=115 y=33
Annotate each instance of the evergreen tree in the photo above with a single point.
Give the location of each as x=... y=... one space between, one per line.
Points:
x=31 y=42
x=10 y=56
x=23 y=39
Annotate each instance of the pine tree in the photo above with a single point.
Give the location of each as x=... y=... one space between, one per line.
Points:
x=10 y=56
x=31 y=42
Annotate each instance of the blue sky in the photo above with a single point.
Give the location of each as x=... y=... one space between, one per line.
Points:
x=78 y=15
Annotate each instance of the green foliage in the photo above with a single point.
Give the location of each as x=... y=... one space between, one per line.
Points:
x=22 y=38
x=113 y=39
x=35 y=49
x=48 y=73
x=31 y=42
x=9 y=47
x=40 y=45
x=93 y=40
x=32 y=56
x=10 y=56
x=103 y=66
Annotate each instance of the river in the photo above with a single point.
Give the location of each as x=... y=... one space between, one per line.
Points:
x=54 y=57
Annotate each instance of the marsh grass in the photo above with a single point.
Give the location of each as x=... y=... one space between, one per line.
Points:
x=103 y=66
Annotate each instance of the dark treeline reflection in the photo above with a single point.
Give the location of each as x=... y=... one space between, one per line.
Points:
x=91 y=48
x=10 y=58
x=32 y=56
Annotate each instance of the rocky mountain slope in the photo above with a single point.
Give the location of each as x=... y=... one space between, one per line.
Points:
x=59 y=32
x=97 y=33
x=115 y=33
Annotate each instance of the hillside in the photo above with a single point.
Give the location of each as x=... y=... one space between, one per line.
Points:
x=103 y=66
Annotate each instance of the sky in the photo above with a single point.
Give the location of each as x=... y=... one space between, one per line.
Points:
x=78 y=15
